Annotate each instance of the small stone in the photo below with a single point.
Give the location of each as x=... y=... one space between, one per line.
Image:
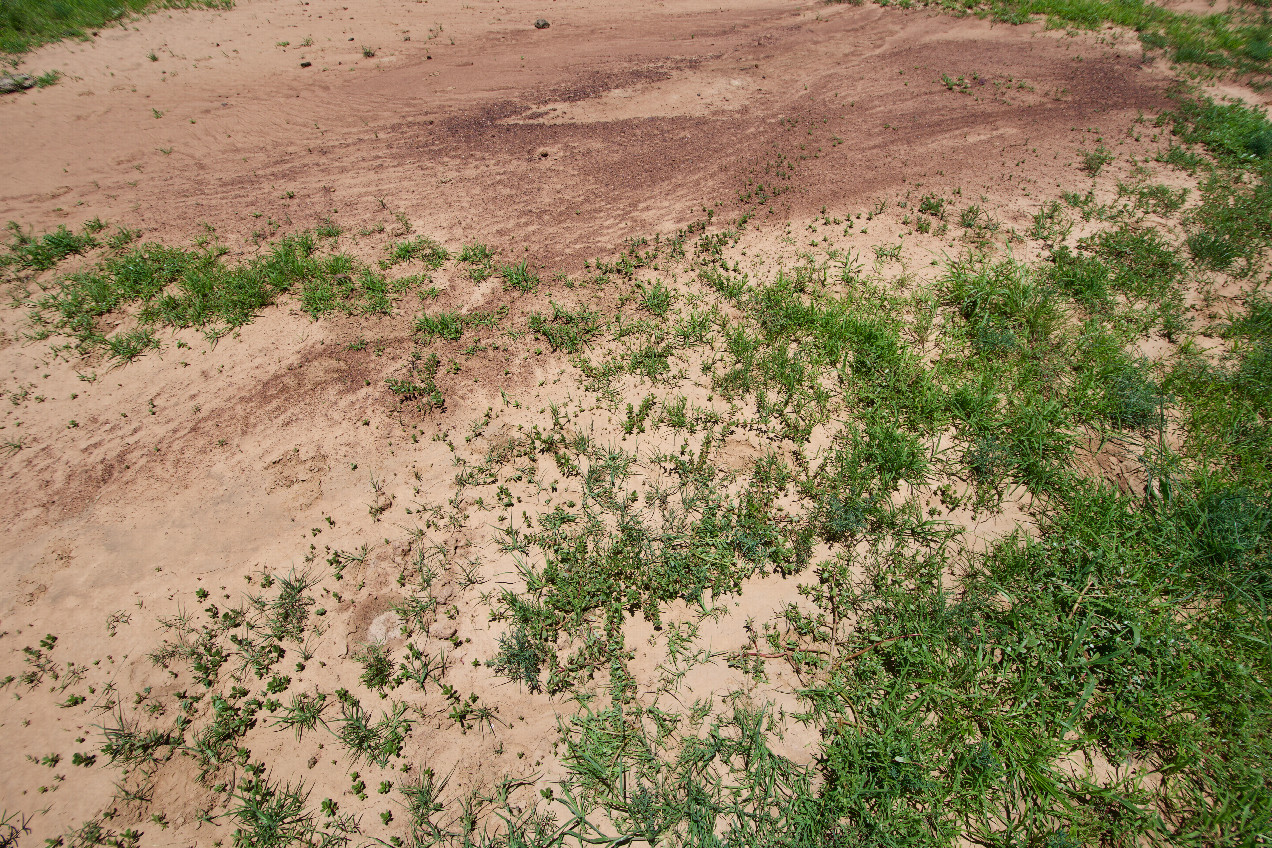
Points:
x=305 y=64
x=542 y=23
x=384 y=627
x=313 y=761
x=10 y=83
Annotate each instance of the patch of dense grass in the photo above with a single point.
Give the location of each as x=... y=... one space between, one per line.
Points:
x=1230 y=227
x=149 y=286
x=521 y=277
x=804 y=329
x=1229 y=403
x=26 y=24
x=566 y=330
x=421 y=249
x=450 y=325
x=1083 y=625
x=1103 y=681
x=988 y=714
x=45 y=252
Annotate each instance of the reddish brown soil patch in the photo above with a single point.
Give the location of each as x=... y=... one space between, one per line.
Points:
x=564 y=140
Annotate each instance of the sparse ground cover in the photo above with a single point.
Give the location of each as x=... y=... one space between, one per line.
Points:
x=813 y=537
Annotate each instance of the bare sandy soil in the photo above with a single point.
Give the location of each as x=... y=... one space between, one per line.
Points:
x=204 y=464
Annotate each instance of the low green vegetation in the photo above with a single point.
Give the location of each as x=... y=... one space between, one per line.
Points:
x=421 y=249
x=1237 y=39
x=125 y=291
x=1022 y=508
x=27 y=24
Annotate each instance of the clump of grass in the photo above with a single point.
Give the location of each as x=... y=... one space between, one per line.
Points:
x=476 y=253
x=520 y=277
x=655 y=298
x=565 y=330
x=1093 y=161
x=1230 y=226
x=328 y=229
x=1085 y=279
x=270 y=814
x=931 y=204
x=420 y=384
x=582 y=582
x=377 y=741
x=519 y=658
x=421 y=249
x=1050 y=224
x=1235 y=133
x=377 y=666
x=26 y=252
x=800 y=332
x=1142 y=264
x=304 y=713
x=444 y=325
x=480 y=260
x=177 y=288
x=128 y=345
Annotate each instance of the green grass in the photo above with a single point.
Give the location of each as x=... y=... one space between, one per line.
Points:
x=1099 y=676
x=443 y=325
x=422 y=249
x=1230 y=225
x=801 y=332
x=1235 y=40
x=27 y=252
x=1093 y=161
x=480 y=260
x=565 y=330
x=420 y=383
x=695 y=550
x=1131 y=627
x=155 y=287
x=271 y=815
x=520 y=277
x=304 y=713
x=27 y=24
x=378 y=667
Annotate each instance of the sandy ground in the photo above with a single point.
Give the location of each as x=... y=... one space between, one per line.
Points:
x=204 y=464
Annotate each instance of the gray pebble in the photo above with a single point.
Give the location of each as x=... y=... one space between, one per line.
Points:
x=10 y=83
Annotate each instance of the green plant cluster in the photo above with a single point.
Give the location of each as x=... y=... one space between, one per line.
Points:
x=148 y=287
